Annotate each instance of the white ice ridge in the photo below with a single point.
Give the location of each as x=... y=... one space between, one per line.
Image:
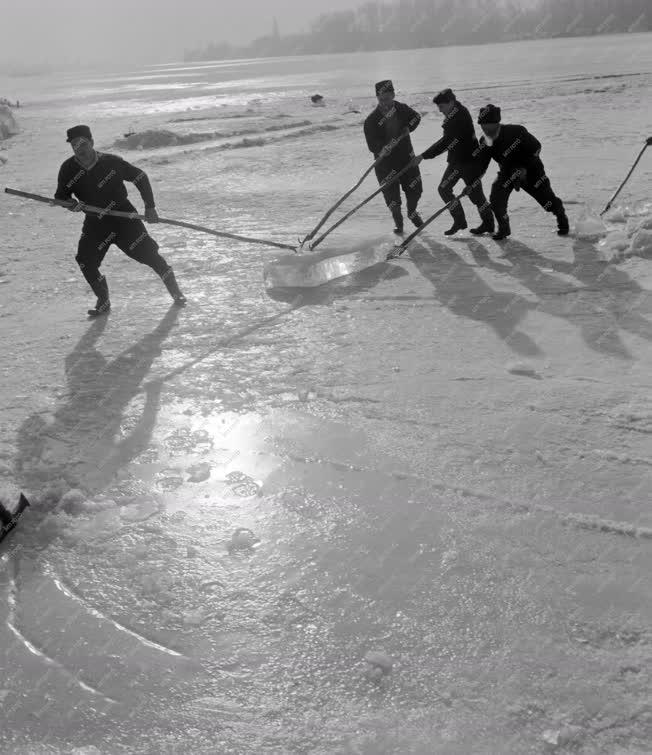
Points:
x=70 y=593
x=11 y=624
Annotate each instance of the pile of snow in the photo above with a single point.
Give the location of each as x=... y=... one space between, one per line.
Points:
x=624 y=231
x=8 y=125
x=156 y=138
x=150 y=139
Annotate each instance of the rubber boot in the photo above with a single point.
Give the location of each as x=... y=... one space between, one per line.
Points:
x=101 y=290
x=398 y=222
x=459 y=220
x=503 y=231
x=173 y=287
x=416 y=219
x=487 y=225
x=562 y=220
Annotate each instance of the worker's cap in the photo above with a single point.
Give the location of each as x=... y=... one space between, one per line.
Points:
x=489 y=114
x=384 y=87
x=446 y=95
x=77 y=131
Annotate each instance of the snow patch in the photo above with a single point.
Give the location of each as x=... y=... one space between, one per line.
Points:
x=637 y=417
x=157 y=138
x=8 y=126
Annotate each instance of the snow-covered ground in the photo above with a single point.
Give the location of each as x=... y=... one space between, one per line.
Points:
x=403 y=512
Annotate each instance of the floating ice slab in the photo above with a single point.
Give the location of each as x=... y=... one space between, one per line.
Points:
x=314 y=269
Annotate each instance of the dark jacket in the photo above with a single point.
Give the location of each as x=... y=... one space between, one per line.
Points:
x=514 y=148
x=103 y=184
x=380 y=129
x=459 y=137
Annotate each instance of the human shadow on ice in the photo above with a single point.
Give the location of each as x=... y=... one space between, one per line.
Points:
x=466 y=294
x=296 y=298
x=92 y=436
x=606 y=303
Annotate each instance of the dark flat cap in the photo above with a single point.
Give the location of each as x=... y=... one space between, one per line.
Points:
x=76 y=131
x=446 y=95
x=489 y=114
x=384 y=86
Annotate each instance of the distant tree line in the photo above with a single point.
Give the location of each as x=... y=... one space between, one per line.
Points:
x=408 y=24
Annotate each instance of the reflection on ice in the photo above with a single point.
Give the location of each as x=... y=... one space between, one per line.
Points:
x=309 y=270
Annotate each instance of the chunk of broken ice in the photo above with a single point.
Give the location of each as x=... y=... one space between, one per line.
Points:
x=590 y=225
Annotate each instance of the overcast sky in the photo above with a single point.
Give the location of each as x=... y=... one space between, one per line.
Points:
x=54 y=31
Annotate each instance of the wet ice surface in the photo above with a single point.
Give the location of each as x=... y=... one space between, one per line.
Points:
x=237 y=541
x=406 y=511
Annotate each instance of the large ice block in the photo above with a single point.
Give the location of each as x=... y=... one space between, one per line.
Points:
x=309 y=270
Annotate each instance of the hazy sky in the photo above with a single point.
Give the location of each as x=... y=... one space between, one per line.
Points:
x=54 y=31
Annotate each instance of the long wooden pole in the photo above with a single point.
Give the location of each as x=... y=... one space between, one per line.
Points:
x=631 y=170
x=383 y=186
x=135 y=216
x=398 y=250
x=345 y=196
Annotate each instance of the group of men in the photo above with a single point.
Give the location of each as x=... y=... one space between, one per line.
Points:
x=97 y=179
x=387 y=131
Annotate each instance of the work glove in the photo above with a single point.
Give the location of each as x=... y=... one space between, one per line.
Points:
x=151 y=216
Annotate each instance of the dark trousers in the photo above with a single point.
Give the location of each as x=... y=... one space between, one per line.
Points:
x=410 y=182
x=470 y=174
x=536 y=184
x=130 y=236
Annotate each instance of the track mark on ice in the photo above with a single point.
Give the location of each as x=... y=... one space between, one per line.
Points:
x=70 y=593
x=583 y=521
x=52 y=662
x=11 y=624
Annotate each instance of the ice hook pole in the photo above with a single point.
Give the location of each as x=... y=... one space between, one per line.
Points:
x=398 y=250
x=383 y=186
x=329 y=212
x=648 y=142
x=136 y=216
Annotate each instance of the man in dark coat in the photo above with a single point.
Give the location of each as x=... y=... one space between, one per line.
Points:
x=517 y=153
x=387 y=131
x=97 y=179
x=460 y=142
